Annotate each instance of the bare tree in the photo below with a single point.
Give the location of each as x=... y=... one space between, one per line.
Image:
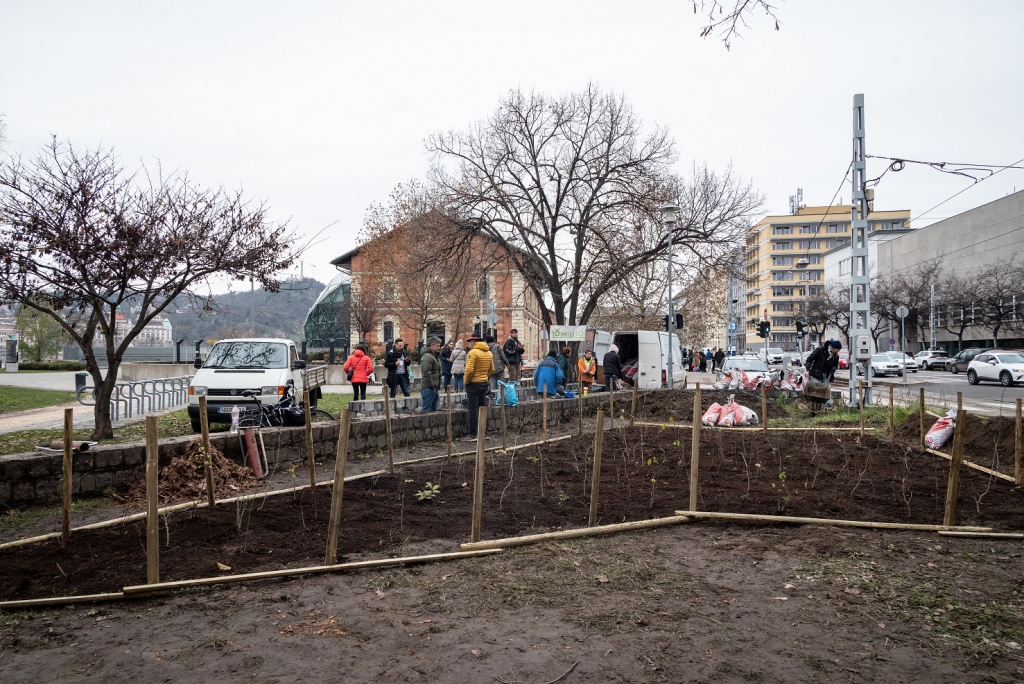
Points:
x=563 y=186
x=80 y=238
x=997 y=284
x=726 y=23
x=912 y=289
x=956 y=303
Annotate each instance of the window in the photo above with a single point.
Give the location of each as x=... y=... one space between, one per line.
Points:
x=782 y=230
x=832 y=228
x=783 y=275
x=807 y=229
x=814 y=290
x=782 y=291
x=782 y=245
x=782 y=261
x=389 y=331
x=782 y=306
x=814 y=258
x=808 y=244
x=436 y=329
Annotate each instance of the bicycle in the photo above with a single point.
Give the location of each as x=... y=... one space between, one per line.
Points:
x=277 y=414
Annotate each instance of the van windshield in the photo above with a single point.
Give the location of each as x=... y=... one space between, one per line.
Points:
x=247 y=355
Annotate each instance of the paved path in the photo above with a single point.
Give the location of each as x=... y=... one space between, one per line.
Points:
x=64 y=380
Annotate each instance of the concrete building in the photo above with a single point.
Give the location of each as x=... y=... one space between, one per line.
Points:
x=963 y=244
x=157 y=333
x=785 y=264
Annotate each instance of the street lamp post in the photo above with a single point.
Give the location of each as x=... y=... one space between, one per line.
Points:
x=668 y=215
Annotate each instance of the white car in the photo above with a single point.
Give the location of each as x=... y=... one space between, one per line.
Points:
x=905 y=359
x=775 y=355
x=881 y=365
x=930 y=359
x=1004 y=367
x=751 y=366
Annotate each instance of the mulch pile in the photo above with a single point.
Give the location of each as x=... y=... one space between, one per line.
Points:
x=185 y=478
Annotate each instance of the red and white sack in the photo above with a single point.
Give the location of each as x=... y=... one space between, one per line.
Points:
x=724 y=382
x=940 y=433
x=728 y=417
x=712 y=415
x=739 y=415
x=749 y=416
x=739 y=380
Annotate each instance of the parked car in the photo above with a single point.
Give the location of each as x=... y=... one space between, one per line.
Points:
x=960 y=362
x=883 y=364
x=752 y=367
x=1004 y=367
x=930 y=359
x=905 y=359
x=775 y=355
x=844 y=360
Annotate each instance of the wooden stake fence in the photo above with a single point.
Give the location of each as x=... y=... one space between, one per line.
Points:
x=764 y=407
x=860 y=404
x=152 y=501
x=504 y=437
x=595 y=478
x=338 y=488
x=750 y=517
x=892 y=417
x=611 y=402
x=695 y=450
x=387 y=430
x=632 y=408
x=1018 y=474
x=309 y=441
x=65 y=482
x=579 y=413
x=921 y=400
x=478 y=475
x=953 y=486
x=448 y=423
x=204 y=422
x=544 y=410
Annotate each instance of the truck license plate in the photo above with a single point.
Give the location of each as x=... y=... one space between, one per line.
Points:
x=224 y=409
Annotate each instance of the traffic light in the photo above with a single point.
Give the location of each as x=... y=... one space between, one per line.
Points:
x=664 y=322
x=800 y=332
x=679 y=321
x=767 y=328
x=760 y=328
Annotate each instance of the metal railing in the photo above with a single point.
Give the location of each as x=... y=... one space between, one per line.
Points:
x=136 y=398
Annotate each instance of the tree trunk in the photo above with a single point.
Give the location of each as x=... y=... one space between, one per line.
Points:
x=101 y=413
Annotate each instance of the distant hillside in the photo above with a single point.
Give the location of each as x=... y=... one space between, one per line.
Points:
x=278 y=314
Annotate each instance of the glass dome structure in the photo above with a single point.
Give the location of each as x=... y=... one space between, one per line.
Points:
x=329 y=317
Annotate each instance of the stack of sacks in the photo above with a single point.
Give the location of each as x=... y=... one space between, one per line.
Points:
x=729 y=415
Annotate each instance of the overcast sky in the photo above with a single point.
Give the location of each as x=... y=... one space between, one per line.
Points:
x=321 y=108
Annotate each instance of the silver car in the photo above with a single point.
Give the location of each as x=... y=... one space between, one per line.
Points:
x=905 y=359
x=882 y=364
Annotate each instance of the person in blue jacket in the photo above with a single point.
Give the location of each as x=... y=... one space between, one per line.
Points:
x=548 y=375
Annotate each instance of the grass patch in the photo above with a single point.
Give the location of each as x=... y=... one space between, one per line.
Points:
x=174 y=424
x=25 y=398
x=334 y=403
x=843 y=416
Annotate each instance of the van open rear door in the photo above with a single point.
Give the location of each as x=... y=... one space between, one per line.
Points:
x=650 y=359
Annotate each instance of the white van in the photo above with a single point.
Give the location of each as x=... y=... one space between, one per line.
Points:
x=648 y=350
x=233 y=366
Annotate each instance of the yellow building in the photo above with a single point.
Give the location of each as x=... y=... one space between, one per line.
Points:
x=785 y=258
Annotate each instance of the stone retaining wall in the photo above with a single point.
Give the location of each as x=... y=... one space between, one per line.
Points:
x=374 y=408
x=34 y=478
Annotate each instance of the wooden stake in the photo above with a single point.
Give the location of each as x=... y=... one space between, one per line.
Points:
x=387 y=431
x=973 y=466
x=921 y=399
x=544 y=409
x=827 y=521
x=338 y=490
x=632 y=408
x=953 y=487
x=152 y=501
x=892 y=417
x=144 y=589
x=764 y=408
x=579 y=413
x=595 y=478
x=309 y=441
x=695 y=449
x=448 y=427
x=611 y=402
x=61 y=600
x=204 y=421
x=573 y=534
x=983 y=535
x=1018 y=474
x=65 y=482
x=478 y=475
x=504 y=437
x=860 y=404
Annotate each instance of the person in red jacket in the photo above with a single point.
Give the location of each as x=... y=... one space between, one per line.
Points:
x=360 y=365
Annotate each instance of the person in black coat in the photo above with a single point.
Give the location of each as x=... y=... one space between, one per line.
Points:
x=397 y=363
x=823 y=361
x=612 y=368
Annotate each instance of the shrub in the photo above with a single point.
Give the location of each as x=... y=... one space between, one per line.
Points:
x=52 y=366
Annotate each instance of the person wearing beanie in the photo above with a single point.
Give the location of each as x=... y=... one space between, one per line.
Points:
x=823 y=361
x=548 y=377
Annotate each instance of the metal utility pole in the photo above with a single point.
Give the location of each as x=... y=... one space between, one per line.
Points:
x=931 y=318
x=903 y=341
x=668 y=213
x=860 y=290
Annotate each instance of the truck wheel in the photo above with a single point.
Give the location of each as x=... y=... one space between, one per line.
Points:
x=196 y=426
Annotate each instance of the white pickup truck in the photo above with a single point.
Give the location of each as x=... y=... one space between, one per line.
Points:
x=265 y=365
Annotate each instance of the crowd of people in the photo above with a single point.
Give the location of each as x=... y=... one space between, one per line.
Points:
x=704 y=360
x=475 y=367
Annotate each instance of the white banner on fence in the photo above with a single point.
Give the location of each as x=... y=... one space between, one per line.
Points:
x=568 y=333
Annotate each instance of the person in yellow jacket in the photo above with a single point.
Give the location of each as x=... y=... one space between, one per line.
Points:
x=479 y=367
x=587 y=366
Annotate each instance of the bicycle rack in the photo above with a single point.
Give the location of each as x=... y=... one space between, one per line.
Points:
x=138 y=397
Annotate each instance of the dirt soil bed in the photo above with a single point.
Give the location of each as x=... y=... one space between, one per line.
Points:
x=678 y=404
x=645 y=474
x=987 y=441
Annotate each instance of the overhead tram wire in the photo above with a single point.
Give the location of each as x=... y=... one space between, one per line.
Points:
x=1012 y=166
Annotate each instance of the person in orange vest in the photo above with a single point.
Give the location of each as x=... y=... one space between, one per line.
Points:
x=587 y=366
